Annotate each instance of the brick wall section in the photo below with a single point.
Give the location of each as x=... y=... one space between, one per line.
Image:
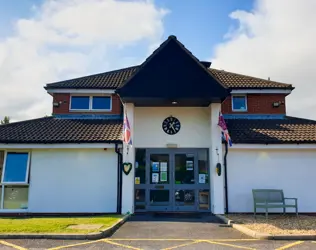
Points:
x=258 y=104
x=64 y=106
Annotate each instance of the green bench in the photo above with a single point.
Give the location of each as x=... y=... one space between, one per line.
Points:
x=271 y=198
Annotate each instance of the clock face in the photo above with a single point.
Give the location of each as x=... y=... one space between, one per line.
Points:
x=171 y=125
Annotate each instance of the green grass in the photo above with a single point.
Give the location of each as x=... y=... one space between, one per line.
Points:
x=54 y=224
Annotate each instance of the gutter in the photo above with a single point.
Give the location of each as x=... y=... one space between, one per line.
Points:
x=119 y=179
x=225 y=177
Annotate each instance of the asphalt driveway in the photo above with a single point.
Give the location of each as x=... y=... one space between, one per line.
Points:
x=166 y=233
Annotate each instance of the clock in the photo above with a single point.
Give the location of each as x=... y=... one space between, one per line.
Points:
x=171 y=125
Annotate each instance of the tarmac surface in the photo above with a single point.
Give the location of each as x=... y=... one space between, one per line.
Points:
x=165 y=233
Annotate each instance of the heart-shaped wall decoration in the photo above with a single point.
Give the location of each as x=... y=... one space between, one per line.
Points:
x=127 y=167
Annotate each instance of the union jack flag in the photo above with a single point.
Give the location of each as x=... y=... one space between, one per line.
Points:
x=222 y=125
x=127 y=137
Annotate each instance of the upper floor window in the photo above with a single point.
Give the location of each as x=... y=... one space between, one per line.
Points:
x=239 y=103
x=80 y=102
x=91 y=103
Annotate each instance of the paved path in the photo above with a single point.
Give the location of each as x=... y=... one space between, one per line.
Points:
x=167 y=233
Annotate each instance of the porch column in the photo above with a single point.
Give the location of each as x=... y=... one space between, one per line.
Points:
x=129 y=156
x=217 y=182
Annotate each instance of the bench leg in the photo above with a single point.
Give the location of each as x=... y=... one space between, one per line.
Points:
x=255 y=211
x=266 y=213
x=284 y=211
x=296 y=211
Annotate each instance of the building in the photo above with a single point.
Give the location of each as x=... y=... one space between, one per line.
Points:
x=73 y=161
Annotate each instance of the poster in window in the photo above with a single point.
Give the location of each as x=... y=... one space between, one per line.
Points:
x=189 y=165
x=155 y=177
x=163 y=176
x=137 y=180
x=163 y=166
x=202 y=178
x=155 y=166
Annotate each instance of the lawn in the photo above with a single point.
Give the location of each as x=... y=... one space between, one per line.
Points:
x=54 y=224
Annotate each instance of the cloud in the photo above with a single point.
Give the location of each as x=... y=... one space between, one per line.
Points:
x=277 y=40
x=69 y=38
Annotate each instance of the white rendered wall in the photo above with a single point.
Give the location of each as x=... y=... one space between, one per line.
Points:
x=293 y=170
x=195 y=126
x=217 y=182
x=129 y=156
x=73 y=180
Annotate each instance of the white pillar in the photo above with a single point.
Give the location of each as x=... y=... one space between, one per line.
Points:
x=128 y=156
x=216 y=155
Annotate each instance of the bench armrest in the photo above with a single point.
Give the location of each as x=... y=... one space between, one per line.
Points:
x=295 y=200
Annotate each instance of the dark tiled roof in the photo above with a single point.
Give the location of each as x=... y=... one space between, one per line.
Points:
x=272 y=131
x=55 y=130
x=234 y=80
x=107 y=80
x=114 y=79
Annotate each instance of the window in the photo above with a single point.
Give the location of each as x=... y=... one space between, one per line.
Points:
x=101 y=102
x=239 y=103
x=16 y=168
x=14 y=172
x=80 y=102
x=91 y=103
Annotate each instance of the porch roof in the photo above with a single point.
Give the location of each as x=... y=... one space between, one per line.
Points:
x=170 y=74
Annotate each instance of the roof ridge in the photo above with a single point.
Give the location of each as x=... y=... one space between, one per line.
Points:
x=258 y=78
x=97 y=74
x=25 y=121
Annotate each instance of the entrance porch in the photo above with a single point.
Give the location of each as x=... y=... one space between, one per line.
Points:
x=173 y=102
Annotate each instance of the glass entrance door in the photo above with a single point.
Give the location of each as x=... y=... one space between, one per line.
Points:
x=184 y=181
x=159 y=181
x=172 y=180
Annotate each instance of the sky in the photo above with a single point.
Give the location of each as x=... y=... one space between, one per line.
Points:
x=43 y=41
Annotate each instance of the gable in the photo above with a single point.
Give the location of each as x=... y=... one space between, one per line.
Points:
x=172 y=72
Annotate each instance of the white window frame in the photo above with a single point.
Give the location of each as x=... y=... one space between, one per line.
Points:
x=239 y=110
x=25 y=182
x=4 y=184
x=90 y=109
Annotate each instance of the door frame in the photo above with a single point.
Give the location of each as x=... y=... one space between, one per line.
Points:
x=172 y=186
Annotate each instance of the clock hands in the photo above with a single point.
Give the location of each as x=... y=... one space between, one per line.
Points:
x=171 y=125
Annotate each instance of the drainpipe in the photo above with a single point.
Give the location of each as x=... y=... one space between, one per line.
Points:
x=225 y=176
x=119 y=179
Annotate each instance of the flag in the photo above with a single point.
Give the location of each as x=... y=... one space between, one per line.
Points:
x=222 y=125
x=127 y=137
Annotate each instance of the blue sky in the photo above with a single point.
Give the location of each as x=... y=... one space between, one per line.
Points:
x=44 y=41
x=204 y=20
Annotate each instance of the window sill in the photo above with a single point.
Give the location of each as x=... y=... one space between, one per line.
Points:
x=239 y=110
x=13 y=210
x=90 y=110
